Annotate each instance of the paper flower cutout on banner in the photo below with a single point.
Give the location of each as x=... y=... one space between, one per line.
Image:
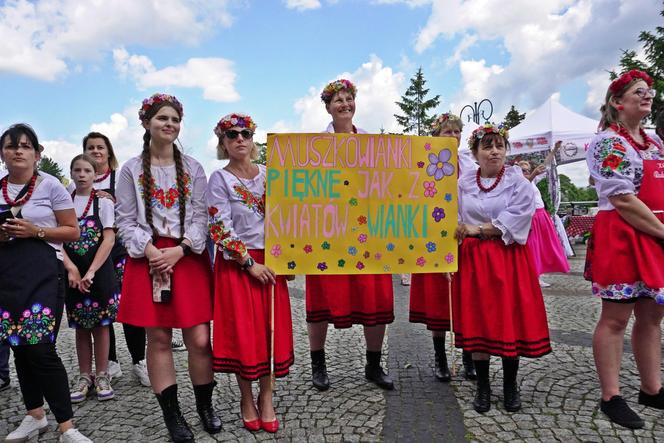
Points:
x=431 y=247
x=346 y=183
x=448 y=197
x=366 y=254
x=325 y=245
x=308 y=249
x=439 y=165
x=352 y=201
x=378 y=255
x=276 y=250
x=411 y=247
x=427 y=146
x=438 y=214
x=402 y=261
x=390 y=247
x=359 y=265
x=322 y=266
x=341 y=263
x=362 y=238
x=420 y=261
x=352 y=250
x=292 y=245
x=449 y=258
x=362 y=220
x=429 y=188
x=443 y=233
x=387 y=268
x=291 y=265
x=420 y=164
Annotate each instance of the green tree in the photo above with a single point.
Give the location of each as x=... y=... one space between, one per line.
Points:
x=262 y=154
x=48 y=166
x=569 y=192
x=653 y=49
x=513 y=118
x=416 y=106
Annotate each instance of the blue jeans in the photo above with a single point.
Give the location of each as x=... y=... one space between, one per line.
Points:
x=4 y=361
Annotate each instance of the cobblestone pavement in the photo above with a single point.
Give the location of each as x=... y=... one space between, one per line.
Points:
x=559 y=391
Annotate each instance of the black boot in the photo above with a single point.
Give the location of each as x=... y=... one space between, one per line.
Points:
x=175 y=422
x=441 y=371
x=319 y=370
x=511 y=396
x=468 y=367
x=210 y=420
x=375 y=373
x=482 y=402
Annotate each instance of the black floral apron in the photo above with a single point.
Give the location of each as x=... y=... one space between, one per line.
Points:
x=99 y=307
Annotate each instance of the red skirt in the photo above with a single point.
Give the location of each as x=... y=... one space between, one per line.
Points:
x=499 y=305
x=545 y=248
x=429 y=301
x=241 y=327
x=618 y=253
x=346 y=300
x=191 y=287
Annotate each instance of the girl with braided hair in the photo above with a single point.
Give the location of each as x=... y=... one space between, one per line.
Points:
x=161 y=216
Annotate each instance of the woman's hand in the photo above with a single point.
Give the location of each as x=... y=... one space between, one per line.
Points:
x=104 y=194
x=165 y=261
x=86 y=282
x=74 y=277
x=262 y=273
x=20 y=228
x=464 y=230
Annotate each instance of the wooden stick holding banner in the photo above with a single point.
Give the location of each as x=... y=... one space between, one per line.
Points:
x=452 y=337
x=272 y=377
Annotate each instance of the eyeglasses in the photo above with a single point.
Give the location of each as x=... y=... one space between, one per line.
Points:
x=643 y=92
x=232 y=134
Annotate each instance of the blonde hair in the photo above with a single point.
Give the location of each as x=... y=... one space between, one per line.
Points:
x=608 y=111
x=448 y=124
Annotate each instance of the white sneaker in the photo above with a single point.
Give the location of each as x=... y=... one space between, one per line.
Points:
x=81 y=388
x=140 y=371
x=544 y=284
x=103 y=387
x=73 y=435
x=114 y=369
x=29 y=428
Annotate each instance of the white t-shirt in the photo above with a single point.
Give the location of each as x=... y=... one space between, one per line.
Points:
x=106 y=209
x=50 y=195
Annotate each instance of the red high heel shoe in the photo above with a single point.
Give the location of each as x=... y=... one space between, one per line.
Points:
x=253 y=425
x=268 y=426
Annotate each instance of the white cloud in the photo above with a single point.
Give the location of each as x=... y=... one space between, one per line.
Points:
x=42 y=38
x=303 y=5
x=378 y=88
x=215 y=76
x=548 y=43
x=61 y=152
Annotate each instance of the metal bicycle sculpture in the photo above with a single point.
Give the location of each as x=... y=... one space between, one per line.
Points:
x=476 y=111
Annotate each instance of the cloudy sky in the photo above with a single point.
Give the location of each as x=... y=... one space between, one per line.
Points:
x=68 y=67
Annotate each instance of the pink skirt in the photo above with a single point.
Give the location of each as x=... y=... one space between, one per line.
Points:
x=545 y=249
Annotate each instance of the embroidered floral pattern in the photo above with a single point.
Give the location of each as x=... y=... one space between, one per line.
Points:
x=250 y=200
x=36 y=325
x=6 y=324
x=626 y=291
x=90 y=313
x=222 y=236
x=90 y=236
x=166 y=199
x=612 y=155
x=119 y=268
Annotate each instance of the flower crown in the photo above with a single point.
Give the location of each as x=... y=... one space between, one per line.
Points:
x=487 y=128
x=158 y=98
x=438 y=123
x=231 y=120
x=626 y=78
x=336 y=86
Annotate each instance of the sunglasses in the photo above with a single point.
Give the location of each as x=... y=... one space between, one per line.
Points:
x=232 y=134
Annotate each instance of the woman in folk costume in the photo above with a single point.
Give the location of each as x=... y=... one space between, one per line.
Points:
x=243 y=284
x=625 y=253
x=36 y=216
x=429 y=300
x=496 y=205
x=162 y=219
x=345 y=300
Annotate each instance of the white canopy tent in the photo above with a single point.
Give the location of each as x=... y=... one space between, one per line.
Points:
x=549 y=123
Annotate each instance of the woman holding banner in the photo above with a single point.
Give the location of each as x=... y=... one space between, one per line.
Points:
x=246 y=291
x=500 y=309
x=625 y=253
x=429 y=302
x=344 y=300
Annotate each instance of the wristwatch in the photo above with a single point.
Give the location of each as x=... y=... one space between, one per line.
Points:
x=186 y=249
x=248 y=264
x=41 y=233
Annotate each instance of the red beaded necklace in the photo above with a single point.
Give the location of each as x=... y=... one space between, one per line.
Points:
x=493 y=186
x=87 y=206
x=23 y=200
x=622 y=131
x=103 y=177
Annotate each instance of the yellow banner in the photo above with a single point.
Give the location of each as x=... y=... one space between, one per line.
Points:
x=360 y=204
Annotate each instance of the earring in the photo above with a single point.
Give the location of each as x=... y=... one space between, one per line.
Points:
x=620 y=107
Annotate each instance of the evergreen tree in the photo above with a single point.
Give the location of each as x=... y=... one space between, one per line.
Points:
x=653 y=48
x=48 y=166
x=415 y=107
x=513 y=118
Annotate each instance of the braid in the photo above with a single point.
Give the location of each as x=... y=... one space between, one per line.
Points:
x=180 y=178
x=147 y=182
